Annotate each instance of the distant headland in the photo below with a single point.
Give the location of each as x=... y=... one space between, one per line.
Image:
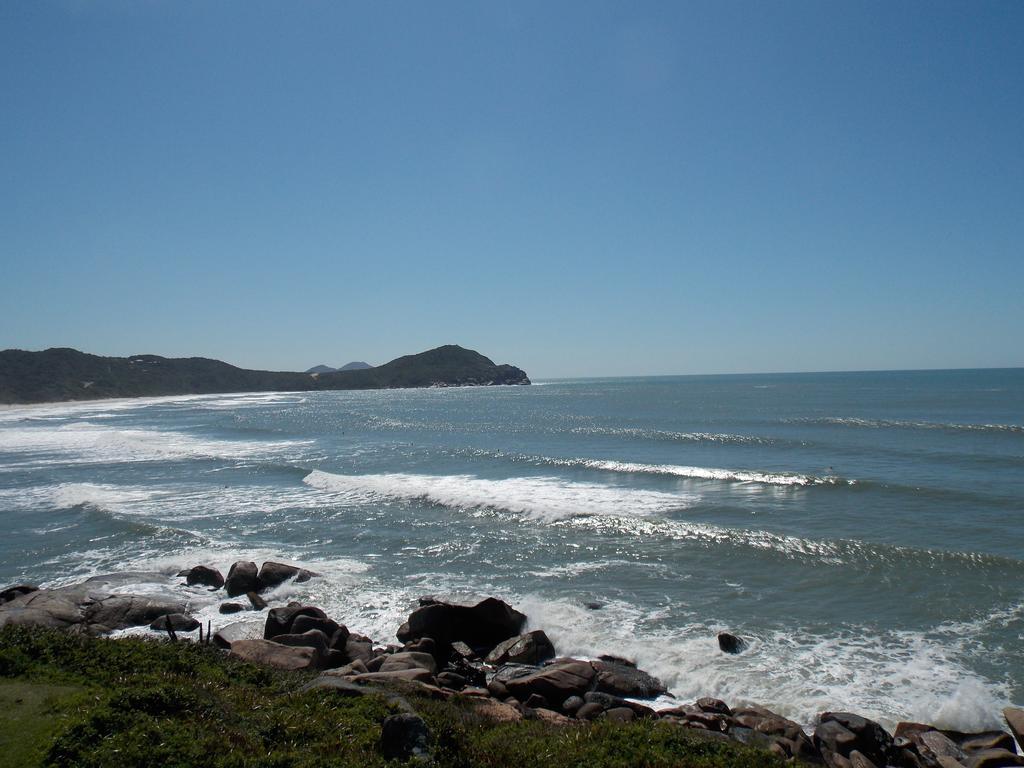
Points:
x=61 y=374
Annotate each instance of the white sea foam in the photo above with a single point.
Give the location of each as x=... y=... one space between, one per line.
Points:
x=844 y=421
x=547 y=498
x=86 y=442
x=701 y=473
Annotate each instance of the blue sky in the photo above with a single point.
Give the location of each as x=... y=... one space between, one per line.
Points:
x=578 y=188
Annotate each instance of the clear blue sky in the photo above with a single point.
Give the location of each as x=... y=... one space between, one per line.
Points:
x=580 y=188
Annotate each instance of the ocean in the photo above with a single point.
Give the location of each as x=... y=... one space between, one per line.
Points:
x=863 y=531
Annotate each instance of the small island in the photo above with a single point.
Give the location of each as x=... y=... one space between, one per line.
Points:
x=62 y=374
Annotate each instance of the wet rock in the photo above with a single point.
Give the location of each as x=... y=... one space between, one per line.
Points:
x=594 y=605
x=203 y=575
x=620 y=679
x=481 y=627
x=730 y=643
x=9 y=593
x=556 y=682
x=612 y=659
x=405 y=737
x=462 y=650
x=608 y=701
x=843 y=732
x=304 y=623
x=178 y=622
x=708 y=704
x=530 y=648
x=231 y=608
x=275 y=574
x=257 y=602
x=279 y=620
x=976 y=742
x=242 y=578
x=409 y=660
x=273 y=654
x=1015 y=719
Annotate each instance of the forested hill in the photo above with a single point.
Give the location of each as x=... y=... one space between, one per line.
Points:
x=67 y=374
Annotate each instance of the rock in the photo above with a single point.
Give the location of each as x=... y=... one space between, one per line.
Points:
x=273 y=654
x=418 y=674
x=623 y=680
x=339 y=640
x=1015 y=719
x=507 y=672
x=786 y=734
x=730 y=643
x=231 y=607
x=279 y=620
x=843 y=732
x=9 y=593
x=481 y=626
x=571 y=705
x=257 y=602
x=409 y=660
x=608 y=701
x=242 y=578
x=451 y=680
x=556 y=682
x=42 y=608
x=530 y=648
x=239 y=630
x=594 y=605
x=994 y=758
x=495 y=711
x=707 y=704
x=356 y=648
x=462 y=650
x=931 y=745
x=275 y=574
x=423 y=645
x=589 y=711
x=314 y=639
x=620 y=714
x=304 y=623
x=976 y=742
x=179 y=622
x=201 y=574
x=549 y=716
x=123 y=611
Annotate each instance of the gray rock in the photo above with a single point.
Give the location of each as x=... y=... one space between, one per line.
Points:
x=480 y=627
x=530 y=648
x=304 y=623
x=314 y=639
x=730 y=643
x=853 y=733
x=279 y=620
x=178 y=622
x=242 y=578
x=1015 y=719
x=239 y=630
x=405 y=737
x=231 y=608
x=409 y=660
x=556 y=682
x=621 y=680
x=17 y=590
x=271 y=654
x=122 y=611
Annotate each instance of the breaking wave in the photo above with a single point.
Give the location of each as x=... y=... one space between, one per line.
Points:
x=907 y=424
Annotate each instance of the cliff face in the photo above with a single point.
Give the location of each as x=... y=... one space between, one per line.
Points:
x=67 y=374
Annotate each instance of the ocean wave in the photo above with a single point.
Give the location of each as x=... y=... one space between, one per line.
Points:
x=672 y=436
x=547 y=498
x=907 y=424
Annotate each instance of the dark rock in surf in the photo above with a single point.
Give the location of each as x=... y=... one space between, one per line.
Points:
x=556 y=682
x=177 y=622
x=242 y=578
x=730 y=643
x=274 y=574
x=257 y=602
x=621 y=679
x=203 y=575
x=231 y=608
x=304 y=623
x=480 y=627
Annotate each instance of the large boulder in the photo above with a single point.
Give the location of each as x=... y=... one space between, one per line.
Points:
x=279 y=620
x=480 y=627
x=239 y=630
x=122 y=611
x=530 y=648
x=621 y=679
x=1015 y=719
x=42 y=608
x=9 y=593
x=243 y=577
x=787 y=736
x=204 y=575
x=274 y=574
x=271 y=654
x=730 y=643
x=556 y=682
x=841 y=733
x=409 y=660
x=314 y=639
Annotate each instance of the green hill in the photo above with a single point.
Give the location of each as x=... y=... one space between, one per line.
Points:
x=67 y=374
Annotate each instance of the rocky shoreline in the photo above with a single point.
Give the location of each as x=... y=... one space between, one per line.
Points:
x=483 y=654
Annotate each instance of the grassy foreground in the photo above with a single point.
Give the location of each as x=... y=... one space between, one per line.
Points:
x=76 y=701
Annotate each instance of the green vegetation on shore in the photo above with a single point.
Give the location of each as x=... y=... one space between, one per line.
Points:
x=67 y=374
x=73 y=700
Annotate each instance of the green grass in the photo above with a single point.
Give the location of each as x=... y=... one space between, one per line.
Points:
x=84 y=702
